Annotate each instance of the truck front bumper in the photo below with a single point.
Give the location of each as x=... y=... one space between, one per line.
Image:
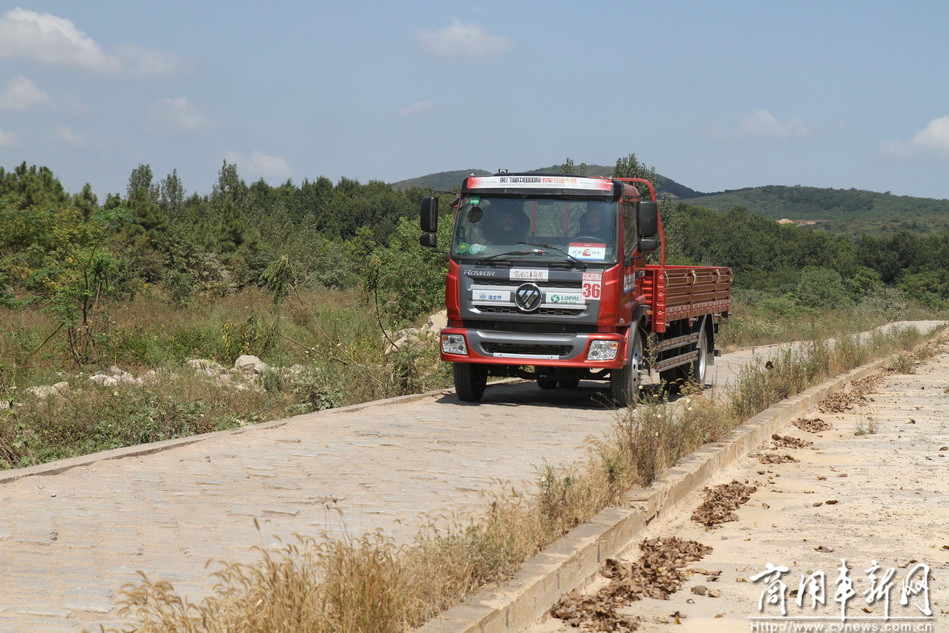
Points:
x=463 y=345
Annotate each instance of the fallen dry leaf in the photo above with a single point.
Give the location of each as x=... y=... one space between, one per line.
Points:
x=659 y=572
x=783 y=441
x=720 y=503
x=812 y=425
x=774 y=458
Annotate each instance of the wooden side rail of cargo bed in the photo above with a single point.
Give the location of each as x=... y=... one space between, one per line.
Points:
x=680 y=292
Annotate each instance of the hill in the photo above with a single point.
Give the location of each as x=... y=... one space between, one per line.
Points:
x=451 y=180
x=848 y=211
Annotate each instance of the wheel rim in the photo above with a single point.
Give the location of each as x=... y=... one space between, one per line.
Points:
x=635 y=362
x=702 y=359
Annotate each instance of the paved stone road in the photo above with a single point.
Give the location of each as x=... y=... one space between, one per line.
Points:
x=68 y=541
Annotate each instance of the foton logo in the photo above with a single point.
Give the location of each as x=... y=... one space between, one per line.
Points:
x=527 y=297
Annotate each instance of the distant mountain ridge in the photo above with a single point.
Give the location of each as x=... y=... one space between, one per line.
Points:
x=451 y=180
x=849 y=211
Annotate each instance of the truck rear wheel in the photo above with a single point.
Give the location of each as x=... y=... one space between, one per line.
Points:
x=470 y=381
x=624 y=382
x=693 y=371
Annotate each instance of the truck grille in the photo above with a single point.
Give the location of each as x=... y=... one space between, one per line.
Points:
x=523 y=349
x=513 y=310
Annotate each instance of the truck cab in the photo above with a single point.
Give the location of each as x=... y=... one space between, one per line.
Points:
x=547 y=281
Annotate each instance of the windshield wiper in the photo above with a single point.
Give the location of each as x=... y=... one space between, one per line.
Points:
x=570 y=258
x=507 y=254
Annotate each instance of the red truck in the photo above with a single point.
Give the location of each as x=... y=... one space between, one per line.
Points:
x=547 y=280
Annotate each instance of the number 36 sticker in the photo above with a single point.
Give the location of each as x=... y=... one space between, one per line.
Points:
x=592 y=285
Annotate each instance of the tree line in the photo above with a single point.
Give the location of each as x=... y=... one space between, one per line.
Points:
x=68 y=253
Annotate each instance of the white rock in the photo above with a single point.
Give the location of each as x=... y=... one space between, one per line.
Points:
x=42 y=391
x=249 y=364
x=437 y=321
x=104 y=380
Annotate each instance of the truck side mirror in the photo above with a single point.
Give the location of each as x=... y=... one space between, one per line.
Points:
x=428 y=239
x=429 y=214
x=648 y=244
x=648 y=217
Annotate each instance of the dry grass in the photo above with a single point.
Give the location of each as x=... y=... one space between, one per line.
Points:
x=371 y=584
x=331 y=335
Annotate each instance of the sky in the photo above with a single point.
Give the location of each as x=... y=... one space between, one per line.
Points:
x=715 y=95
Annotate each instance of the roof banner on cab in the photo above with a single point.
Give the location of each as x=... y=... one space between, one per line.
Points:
x=538 y=182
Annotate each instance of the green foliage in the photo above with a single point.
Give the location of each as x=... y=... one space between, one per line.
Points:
x=630 y=167
x=930 y=288
x=410 y=278
x=821 y=288
x=250 y=336
x=279 y=279
x=569 y=167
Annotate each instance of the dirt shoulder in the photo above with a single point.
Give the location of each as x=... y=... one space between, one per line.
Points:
x=872 y=487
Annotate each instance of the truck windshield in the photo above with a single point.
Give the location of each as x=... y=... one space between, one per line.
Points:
x=499 y=228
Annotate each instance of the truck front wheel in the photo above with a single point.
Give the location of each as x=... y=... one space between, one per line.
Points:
x=624 y=382
x=470 y=381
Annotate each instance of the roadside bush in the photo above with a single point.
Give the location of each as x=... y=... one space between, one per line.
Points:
x=887 y=302
x=821 y=288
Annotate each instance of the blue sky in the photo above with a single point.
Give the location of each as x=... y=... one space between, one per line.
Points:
x=715 y=95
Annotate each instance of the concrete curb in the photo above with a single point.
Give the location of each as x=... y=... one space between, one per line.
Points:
x=576 y=557
x=54 y=468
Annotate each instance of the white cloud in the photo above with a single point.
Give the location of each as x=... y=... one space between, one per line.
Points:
x=47 y=39
x=65 y=135
x=933 y=140
x=416 y=108
x=178 y=113
x=762 y=124
x=7 y=139
x=463 y=40
x=22 y=94
x=274 y=169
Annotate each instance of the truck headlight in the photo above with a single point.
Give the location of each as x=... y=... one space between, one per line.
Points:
x=455 y=344
x=603 y=350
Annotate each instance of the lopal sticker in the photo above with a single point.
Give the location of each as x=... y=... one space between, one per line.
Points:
x=564 y=298
x=529 y=274
x=592 y=285
x=587 y=250
x=477 y=248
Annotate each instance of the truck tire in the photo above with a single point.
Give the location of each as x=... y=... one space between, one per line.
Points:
x=568 y=381
x=548 y=381
x=470 y=380
x=700 y=365
x=693 y=371
x=624 y=382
